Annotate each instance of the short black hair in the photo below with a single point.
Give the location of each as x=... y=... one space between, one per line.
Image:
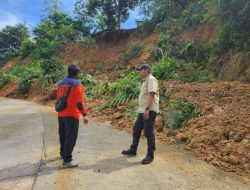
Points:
x=73 y=70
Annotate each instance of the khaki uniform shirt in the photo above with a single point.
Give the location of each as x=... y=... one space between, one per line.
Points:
x=150 y=84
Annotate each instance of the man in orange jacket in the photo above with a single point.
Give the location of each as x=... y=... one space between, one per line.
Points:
x=68 y=119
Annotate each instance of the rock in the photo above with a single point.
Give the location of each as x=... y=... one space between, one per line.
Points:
x=246 y=167
x=118 y=115
x=236 y=136
x=245 y=141
x=233 y=160
x=120 y=123
x=226 y=134
x=213 y=140
x=159 y=123
x=224 y=158
x=181 y=137
x=218 y=110
x=201 y=123
x=209 y=109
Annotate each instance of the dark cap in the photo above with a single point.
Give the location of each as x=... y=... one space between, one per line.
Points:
x=73 y=69
x=144 y=66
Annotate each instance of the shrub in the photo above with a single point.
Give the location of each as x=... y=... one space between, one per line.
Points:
x=165 y=69
x=100 y=88
x=5 y=78
x=132 y=109
x=28 y=76
x=53 y=71
x=196 y=72
x=27 y=46
x=180 y=111
x=86 y=79
x=123 y=91
x=135 y=50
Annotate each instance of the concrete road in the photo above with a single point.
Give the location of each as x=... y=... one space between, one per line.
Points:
x=29 y=134
x=21 y=144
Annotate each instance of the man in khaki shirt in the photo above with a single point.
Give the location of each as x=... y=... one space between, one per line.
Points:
x=148 y=109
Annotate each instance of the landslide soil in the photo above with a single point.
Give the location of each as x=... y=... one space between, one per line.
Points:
x=221 y=136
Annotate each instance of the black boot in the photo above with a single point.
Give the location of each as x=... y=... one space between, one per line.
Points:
x=148 y=159
x=129 y=152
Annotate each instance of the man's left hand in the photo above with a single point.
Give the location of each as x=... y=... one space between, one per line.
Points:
x=146 y=115
x=85 y=120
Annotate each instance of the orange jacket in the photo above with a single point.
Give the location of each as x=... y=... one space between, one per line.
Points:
x=75 y=101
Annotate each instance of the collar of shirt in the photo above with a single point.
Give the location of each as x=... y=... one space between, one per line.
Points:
x=144 y=79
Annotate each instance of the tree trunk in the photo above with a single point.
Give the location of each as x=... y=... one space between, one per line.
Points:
x=119 y=15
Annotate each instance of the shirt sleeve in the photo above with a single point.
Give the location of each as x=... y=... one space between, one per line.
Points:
x=152 y=85
x=80 y=100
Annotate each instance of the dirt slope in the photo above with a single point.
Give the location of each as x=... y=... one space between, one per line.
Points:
x=107 y=51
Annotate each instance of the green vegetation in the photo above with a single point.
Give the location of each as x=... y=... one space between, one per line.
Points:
x=233 y=19
x=5 y=78
x=165 y=69
x=120 y=92
x=11 y=38
x=53 y=32
x=27 y=75
x=180 y=111
x=135 y=50
x=26 y=48
x=114 y=12
x=52 y=70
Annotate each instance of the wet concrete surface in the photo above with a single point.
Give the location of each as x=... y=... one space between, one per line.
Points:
x=20 y=143
x=101 y=166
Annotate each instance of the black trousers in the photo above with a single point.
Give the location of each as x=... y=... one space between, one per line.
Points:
x=148 y=126
x=68 y=132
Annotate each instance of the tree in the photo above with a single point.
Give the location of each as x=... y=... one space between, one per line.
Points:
x=52 y=6
x=52 y=33
x=11 y=38
x=84 y=23
x=115 y=11
x=233 y=19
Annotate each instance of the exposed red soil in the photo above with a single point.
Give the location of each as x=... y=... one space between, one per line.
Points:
x=109 y=52
x=204 y=31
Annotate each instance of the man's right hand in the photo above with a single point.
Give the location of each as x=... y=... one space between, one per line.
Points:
x=85 y=120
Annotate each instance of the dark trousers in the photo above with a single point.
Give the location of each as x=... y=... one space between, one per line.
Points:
x=148 y=126
x=68 y=132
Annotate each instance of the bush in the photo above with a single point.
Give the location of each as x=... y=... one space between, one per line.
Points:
x=100 y=89
x=27 y=46
x=86 y=79
x=53 y=71
x=165 y=69
x=28 y=76
x=123 y=91
x=132 y=109
x=196 y=72
x=135 y=50
x=180 y=111
x=5 y=78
